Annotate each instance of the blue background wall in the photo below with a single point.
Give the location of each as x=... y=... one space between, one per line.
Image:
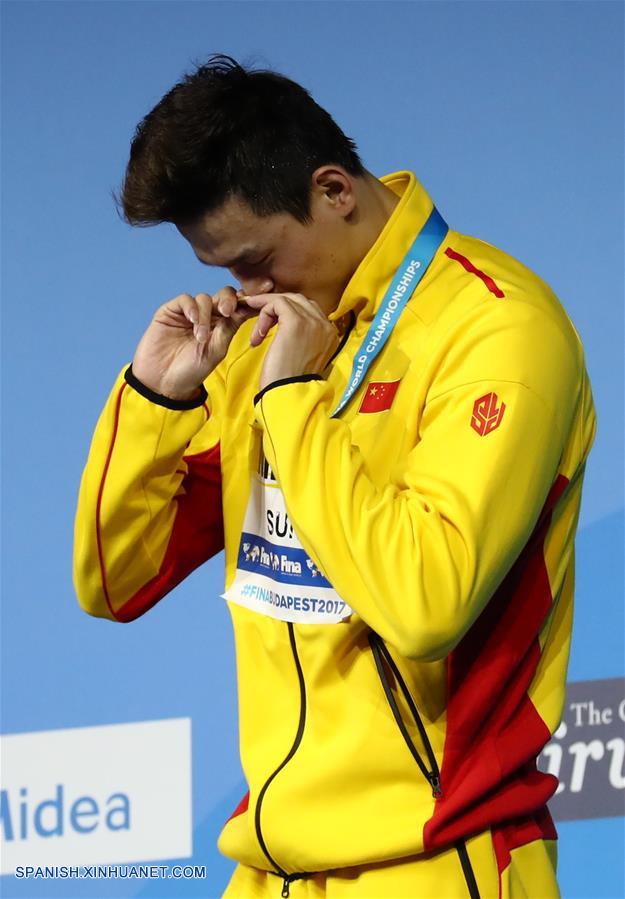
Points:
x=511 y=114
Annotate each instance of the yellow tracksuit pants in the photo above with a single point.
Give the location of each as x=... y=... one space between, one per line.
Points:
x=529 y=874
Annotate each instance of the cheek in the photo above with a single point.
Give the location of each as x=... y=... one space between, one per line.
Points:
x=301 y=267
x=291 y=274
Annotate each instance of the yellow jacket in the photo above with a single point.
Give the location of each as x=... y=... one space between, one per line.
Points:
x=437 y=511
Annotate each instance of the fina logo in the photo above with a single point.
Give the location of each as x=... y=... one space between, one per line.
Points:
x=48 y=819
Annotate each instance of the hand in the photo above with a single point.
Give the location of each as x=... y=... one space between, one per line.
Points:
x=186 y=339
x=304 y=342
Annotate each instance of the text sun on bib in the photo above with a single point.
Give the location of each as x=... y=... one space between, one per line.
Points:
x=275 y=576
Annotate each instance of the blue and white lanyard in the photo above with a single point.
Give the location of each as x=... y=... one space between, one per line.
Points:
x=412 y=268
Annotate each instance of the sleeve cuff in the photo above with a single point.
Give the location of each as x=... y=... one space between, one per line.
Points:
x=167 y=401
x=294 y=380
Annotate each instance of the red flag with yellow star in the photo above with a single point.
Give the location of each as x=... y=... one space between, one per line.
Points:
x=378 y=396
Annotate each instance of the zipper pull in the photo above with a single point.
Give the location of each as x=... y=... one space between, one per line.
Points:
x=436 y=785
x=285 y=888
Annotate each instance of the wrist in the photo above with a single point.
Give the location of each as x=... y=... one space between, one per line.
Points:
x=184 y=397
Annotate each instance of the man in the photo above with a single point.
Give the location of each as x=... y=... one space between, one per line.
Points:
x=386 y=426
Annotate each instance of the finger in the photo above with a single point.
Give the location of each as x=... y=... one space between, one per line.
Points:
x=270 y=314
x=204 y=303
x=242 y=301
x=277 y=303
x=230 y=305
x=225 y=301
x=258 y=300
x=267 y=318
x=187 y=304
x=242 y=312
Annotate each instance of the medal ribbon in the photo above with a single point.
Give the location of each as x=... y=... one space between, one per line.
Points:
x=408 y=275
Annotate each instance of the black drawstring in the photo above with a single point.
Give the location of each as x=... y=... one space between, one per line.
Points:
x=380 y=650
x=467 y=869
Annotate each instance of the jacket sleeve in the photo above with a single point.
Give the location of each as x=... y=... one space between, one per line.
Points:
x=418 y=557
x=149 y=505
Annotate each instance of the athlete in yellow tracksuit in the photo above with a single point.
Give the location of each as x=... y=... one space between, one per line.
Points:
x=400 y=576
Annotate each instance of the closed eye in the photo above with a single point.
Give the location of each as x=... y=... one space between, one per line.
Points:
x=236 y=263
x=249 y=264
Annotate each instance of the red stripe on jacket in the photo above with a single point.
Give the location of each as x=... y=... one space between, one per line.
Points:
x=241 y=807
x=197 y=532
x=98 y=533
x=513 y=834
x=468 y=265
x=494 y=732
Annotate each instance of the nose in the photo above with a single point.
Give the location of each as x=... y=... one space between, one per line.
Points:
x=252 y=286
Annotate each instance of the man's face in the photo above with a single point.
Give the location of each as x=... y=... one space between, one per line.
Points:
x=277 y=253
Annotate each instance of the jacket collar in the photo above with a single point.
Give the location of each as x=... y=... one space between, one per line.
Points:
x=367 y=285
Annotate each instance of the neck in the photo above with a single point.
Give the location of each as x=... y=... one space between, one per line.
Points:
x=376 y=204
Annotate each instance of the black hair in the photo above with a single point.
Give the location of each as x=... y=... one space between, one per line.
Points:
x=229 y=130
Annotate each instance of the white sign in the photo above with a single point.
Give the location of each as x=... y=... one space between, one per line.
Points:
x=275 y=575
x=96 y=795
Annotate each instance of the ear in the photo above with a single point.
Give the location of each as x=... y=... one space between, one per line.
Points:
x=333 y=187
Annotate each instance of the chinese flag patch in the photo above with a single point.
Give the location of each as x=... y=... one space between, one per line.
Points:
x=486 y=414
x=379 y=396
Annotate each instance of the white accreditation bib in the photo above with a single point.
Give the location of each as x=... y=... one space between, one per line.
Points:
x=275 y=576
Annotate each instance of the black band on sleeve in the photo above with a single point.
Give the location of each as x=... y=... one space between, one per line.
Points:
x=280 y=381
x=167 y=401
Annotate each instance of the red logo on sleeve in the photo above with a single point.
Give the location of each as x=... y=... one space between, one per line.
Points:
x=379 y=396
x=486 y=415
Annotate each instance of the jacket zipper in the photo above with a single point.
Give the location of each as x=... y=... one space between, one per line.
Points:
x=432 y=774
x=287 y=878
